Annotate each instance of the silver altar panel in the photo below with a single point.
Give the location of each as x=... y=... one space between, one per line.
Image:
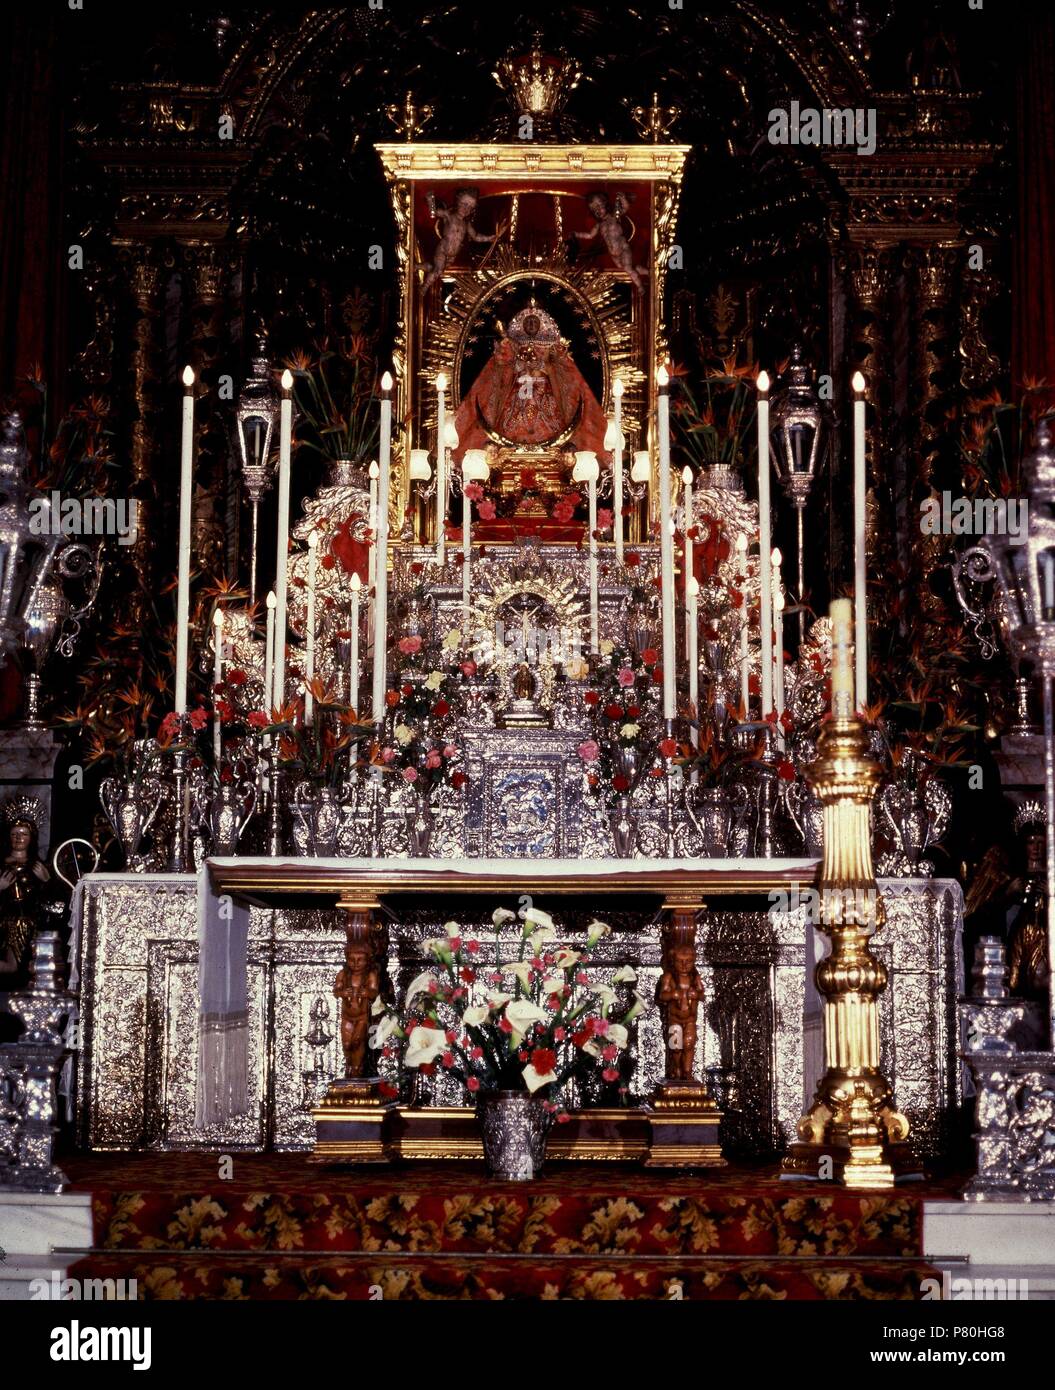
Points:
x=139 y=1002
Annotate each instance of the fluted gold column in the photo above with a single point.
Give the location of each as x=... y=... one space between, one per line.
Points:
x=853 y=1122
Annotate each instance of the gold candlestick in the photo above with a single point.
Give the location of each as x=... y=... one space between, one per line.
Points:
x=853 y=1122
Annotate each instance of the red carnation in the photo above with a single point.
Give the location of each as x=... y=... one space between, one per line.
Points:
x=544 y=1060
x=458 y=779
x=236 y=678
x=441 y=708
x=391 y=698
x=258 y=719
x=614 y=711
x=631 y=558
x=591 y=697
x=668 y=747
x=650 y=656
x=786 y=770
x=621 y=782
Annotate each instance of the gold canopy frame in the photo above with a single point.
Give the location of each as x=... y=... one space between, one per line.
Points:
x=632 y=340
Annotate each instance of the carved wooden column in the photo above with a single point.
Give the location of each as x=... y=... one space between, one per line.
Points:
x=683 y=1118
x=351 y=1119
x=205 y=267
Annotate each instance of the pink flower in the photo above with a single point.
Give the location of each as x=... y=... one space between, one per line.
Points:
x=410 y=646
x=410 y=774
x=485 y=510
x=560 y=1034
x=476 y=1054
x=449 y=750
x=473 y=1082
x=610 y=1074
x=609 y=1052
x=589 y=750
x=433 y=758
x=625 y=676
x=468 y=668
x=604 y=518
x=600 y=1027
x=474 y=492
x=388 y=755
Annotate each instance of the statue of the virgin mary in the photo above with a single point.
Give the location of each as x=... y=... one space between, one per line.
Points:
x=530 y=394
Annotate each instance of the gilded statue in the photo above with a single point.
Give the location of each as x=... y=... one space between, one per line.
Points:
x=22 y=882
x=679 y=994
x=357 y=985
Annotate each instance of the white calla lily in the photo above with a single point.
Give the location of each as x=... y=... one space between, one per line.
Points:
x=625 y=975
x=564 y=960
x=553 y=984
x=596 y=930
x=502 y=914
x=534 y=916
x=521 y=969
x=533 y=1079
x=380 y=1034
x=452 y=929
x=424 y=1046
x=496 y=998
x=420 y=984
x=522 y=1013
x=472 y=1018
x=617 y=1034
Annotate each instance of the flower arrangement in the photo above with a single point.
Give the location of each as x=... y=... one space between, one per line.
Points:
x=712 y=429
x=623 y=700
x=530 y=1023
x=334 y=401
x=418 y=744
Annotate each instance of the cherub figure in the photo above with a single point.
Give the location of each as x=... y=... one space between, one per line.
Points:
x=357 y=985
x=612 y=234
x=679 y=994
x=456 y=225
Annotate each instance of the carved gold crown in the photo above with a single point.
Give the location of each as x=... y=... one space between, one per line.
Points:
x=538 y=83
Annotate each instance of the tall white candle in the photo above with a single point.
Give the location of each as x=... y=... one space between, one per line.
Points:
x=745 y=656
x=666 y=541
x=309 y=624
x=450 y=443
x=217 y=677
x=285 y=436
x=692 y=600
x=353 y=668
x=1047 y=564
x=778 y=647
x=372 y=560
x=686 y=499
x=186 y=499
x=860 y=556
x=269 y=653
x=617 y=467
x=842 y=658
x=441 y=464
x=765 y=540
x=474 y=470
x=587 y=471
x=384 y=465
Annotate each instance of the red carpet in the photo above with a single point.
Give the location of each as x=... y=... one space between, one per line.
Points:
x=281 y=1229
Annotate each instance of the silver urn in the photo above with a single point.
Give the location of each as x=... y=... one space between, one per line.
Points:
x=513 y=1127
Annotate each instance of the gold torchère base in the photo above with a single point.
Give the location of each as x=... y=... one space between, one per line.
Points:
x=350 y=1123
x=683 y=1127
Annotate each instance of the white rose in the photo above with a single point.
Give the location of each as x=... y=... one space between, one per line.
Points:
x=434 y=680
x=425 y=1046
x=453 y=640
x=630 y=730
x=607 y=646
x=403 y=735
x=534 y=1080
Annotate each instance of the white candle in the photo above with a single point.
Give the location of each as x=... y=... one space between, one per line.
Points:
x=778 y=648
x=278 y=696
x=617 y=468
x=745 y=659
x=381 y=565
x=353 y=671
x=860 y=557
x=764 y=544
x=309 y=623
x=217 y=677
x=186 y=499
x=450 y=443
x=269 y=653
x=1047 y=562
x=842 y=659
x=692 y=599
x=474 y=470
x=372 y=560
x=441 y=463
x=587 y=471
x=666 y=541
x=686 y=498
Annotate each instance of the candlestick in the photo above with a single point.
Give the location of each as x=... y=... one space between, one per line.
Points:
x=666 y=540
x=309 y=635
x=474 y=470
x=186 y=497
x=353 y=670
x=278 y=696
x=692 y=599
x=745 y=658
x=778 y=663
x=217 y=677
x=764 y=544
x=441 y=463
x=381 y=564
x=842 y=659
x=450 y=443
x=587 y=471
x=686 y=506
x=371 y=564
x=860 y=556
x=641 y=468
x=269 y=653
x=617 y=467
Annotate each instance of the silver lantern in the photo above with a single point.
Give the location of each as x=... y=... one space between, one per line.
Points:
x=799 y=434
x=256 y=415
x=1025 y=573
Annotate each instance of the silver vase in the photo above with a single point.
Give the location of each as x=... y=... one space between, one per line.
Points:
x=712 y=814
x=513 y=1127
x=420 y=824
x=131 y=803
x=230 y=809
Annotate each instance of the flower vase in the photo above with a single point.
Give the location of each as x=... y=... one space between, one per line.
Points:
x=513 y=1127
x=131 y=804
x=228 y=812
x=420 y=824
x=713 y=816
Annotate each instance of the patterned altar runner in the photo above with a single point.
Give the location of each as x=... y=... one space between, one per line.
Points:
x=279 y=1230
